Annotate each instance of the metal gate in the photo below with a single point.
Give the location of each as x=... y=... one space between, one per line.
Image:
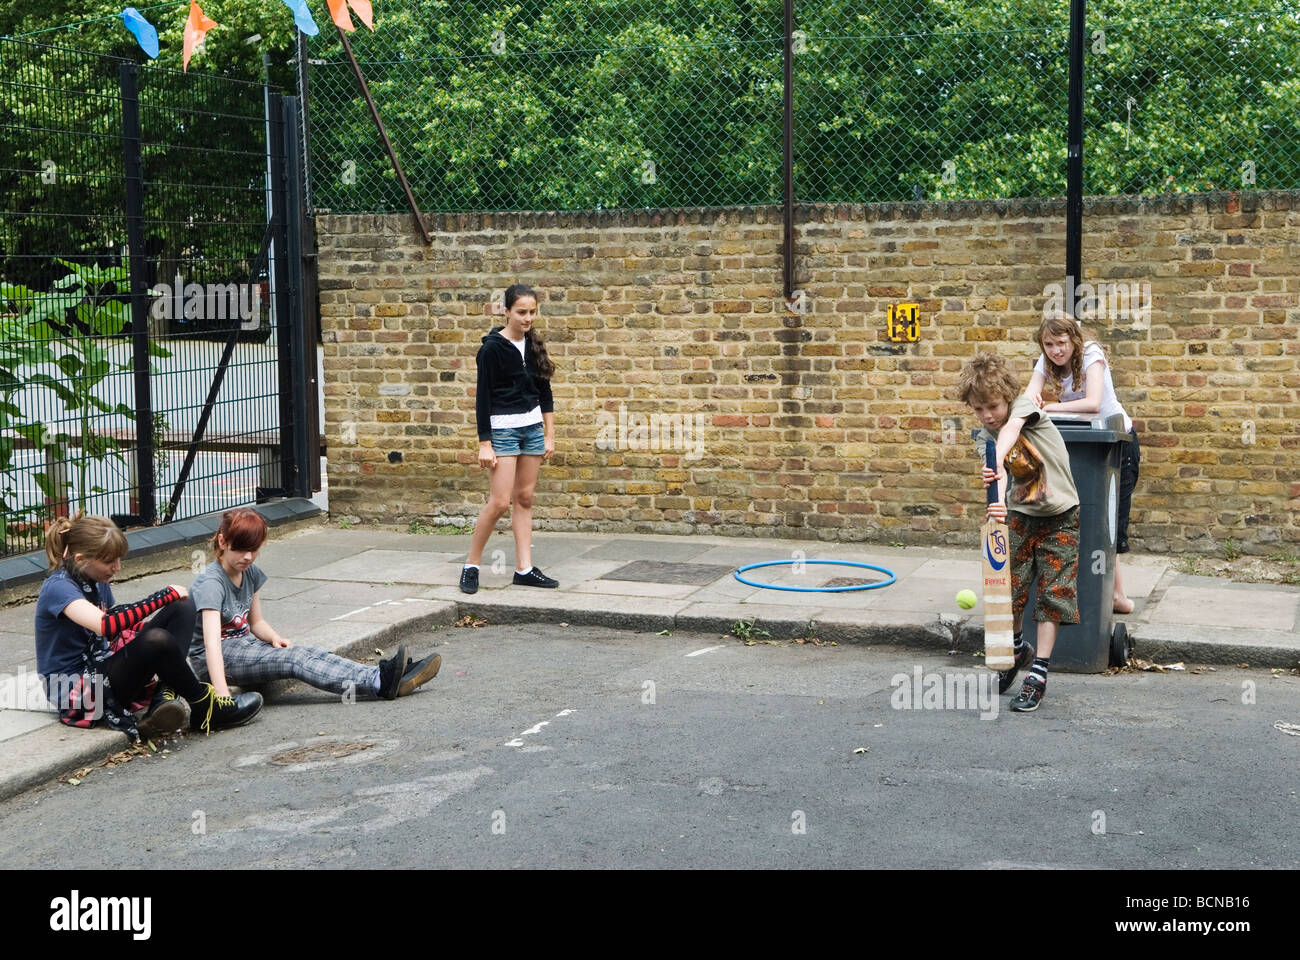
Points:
x=158 y=351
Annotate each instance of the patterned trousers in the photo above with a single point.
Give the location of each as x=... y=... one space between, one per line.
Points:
x=249 y=661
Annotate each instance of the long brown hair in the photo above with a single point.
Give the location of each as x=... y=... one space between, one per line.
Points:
x=91 y=536
x=545 y=367
x=1063 y=327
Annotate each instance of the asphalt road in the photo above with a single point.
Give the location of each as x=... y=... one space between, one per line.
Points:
x=548 y=746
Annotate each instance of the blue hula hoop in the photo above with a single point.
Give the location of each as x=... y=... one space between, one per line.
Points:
x=837 y=563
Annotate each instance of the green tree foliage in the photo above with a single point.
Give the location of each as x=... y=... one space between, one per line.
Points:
x=940 y=98
x=62 y=191
x=572 y=104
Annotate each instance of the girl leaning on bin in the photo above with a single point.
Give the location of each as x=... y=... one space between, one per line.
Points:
x=1078 y=370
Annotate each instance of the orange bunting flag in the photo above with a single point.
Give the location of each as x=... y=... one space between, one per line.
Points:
x=362 y=8
x=196 y=27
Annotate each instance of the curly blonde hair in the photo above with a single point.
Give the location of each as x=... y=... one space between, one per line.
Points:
x=986 y=376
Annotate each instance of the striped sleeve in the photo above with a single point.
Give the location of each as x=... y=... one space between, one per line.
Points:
x=129 y=614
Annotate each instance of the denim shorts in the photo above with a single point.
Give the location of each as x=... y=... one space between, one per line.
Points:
x=513 y=441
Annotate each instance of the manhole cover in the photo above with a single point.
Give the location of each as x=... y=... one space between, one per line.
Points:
x=850 y=581
x=320 y=751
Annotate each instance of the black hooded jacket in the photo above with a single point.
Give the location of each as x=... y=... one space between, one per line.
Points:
x=507 y=382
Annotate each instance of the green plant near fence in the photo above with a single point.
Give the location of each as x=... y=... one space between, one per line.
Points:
x=71 y=329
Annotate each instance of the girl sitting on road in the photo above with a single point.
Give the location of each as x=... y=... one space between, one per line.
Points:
x=1080 y=373
x=233 y=643
x=101 y=661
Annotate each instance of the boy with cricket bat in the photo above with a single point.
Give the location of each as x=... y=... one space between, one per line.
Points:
x=1043 y=523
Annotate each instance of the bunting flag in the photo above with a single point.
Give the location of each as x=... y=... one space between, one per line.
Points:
x=144 y=30
x=197 y=26
x=362 y=8
x=302 y=17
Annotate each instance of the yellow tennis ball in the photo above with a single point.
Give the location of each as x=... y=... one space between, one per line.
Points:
x=966 y=599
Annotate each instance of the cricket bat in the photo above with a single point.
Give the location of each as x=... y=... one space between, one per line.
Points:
x=999 y=621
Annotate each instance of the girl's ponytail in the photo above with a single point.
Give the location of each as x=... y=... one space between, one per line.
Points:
x=56 y=532
x=545 y=366
x=91 y=536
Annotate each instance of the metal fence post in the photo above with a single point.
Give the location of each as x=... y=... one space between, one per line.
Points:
x=134 y=176
x=787 y=158
x=298 y=483
x=1074 y=160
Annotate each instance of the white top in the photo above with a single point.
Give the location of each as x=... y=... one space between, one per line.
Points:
x=505 y=421
x=1110 y=405
x=519 y=345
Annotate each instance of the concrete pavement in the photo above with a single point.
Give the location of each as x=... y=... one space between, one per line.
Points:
x=356 y=590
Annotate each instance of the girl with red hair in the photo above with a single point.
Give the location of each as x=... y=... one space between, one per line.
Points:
x=234 y=643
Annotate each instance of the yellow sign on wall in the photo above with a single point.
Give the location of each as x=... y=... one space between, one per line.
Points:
x=904 y=322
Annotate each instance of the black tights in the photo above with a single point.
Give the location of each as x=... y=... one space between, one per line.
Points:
x=161 y=648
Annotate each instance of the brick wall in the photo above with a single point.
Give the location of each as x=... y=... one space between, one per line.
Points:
x=689 y=398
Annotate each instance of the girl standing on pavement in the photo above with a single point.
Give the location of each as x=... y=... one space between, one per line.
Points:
x=1079 y=371
x=516 y=431
x=233 y=643
x=102 y=661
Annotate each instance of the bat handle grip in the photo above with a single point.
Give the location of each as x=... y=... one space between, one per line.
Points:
x=990 y=460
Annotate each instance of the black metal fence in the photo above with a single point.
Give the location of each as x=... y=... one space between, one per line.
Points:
x=153 y=358
x=574 y=104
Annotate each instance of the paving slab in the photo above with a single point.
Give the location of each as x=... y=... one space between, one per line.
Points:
x=634 y=548
x=343 y=593
x=660 y=571
x=625 y=588
x=17 y=650
x=399 y=566
x=1141 y=578
x=1201 y=606
x=966 y=569
x=15 y=723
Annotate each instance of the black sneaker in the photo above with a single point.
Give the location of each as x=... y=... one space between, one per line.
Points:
x=1023 y=659
x=1030 y=695
x=390 y=673
x=469 y=580
x=534 y=578
x=418 y=673
x=168 y=715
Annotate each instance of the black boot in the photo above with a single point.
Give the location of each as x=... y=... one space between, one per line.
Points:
x=214 y=713
x=168 y=716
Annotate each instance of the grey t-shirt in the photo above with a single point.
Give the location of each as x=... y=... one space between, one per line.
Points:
x=212 y=590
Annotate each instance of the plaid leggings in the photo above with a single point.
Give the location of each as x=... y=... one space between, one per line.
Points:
x=249 y=660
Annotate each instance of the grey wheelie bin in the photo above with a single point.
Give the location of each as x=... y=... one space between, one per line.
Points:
x=1097 y=640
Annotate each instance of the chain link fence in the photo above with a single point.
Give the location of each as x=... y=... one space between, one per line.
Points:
x=564 y=104
x=76 y=386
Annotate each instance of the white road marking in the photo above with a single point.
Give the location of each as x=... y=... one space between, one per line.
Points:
x=696 y=653
x=398 y=801
x=343 y=616
x=536 y=728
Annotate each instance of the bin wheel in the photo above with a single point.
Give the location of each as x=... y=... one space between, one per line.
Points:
x=1120 y=647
